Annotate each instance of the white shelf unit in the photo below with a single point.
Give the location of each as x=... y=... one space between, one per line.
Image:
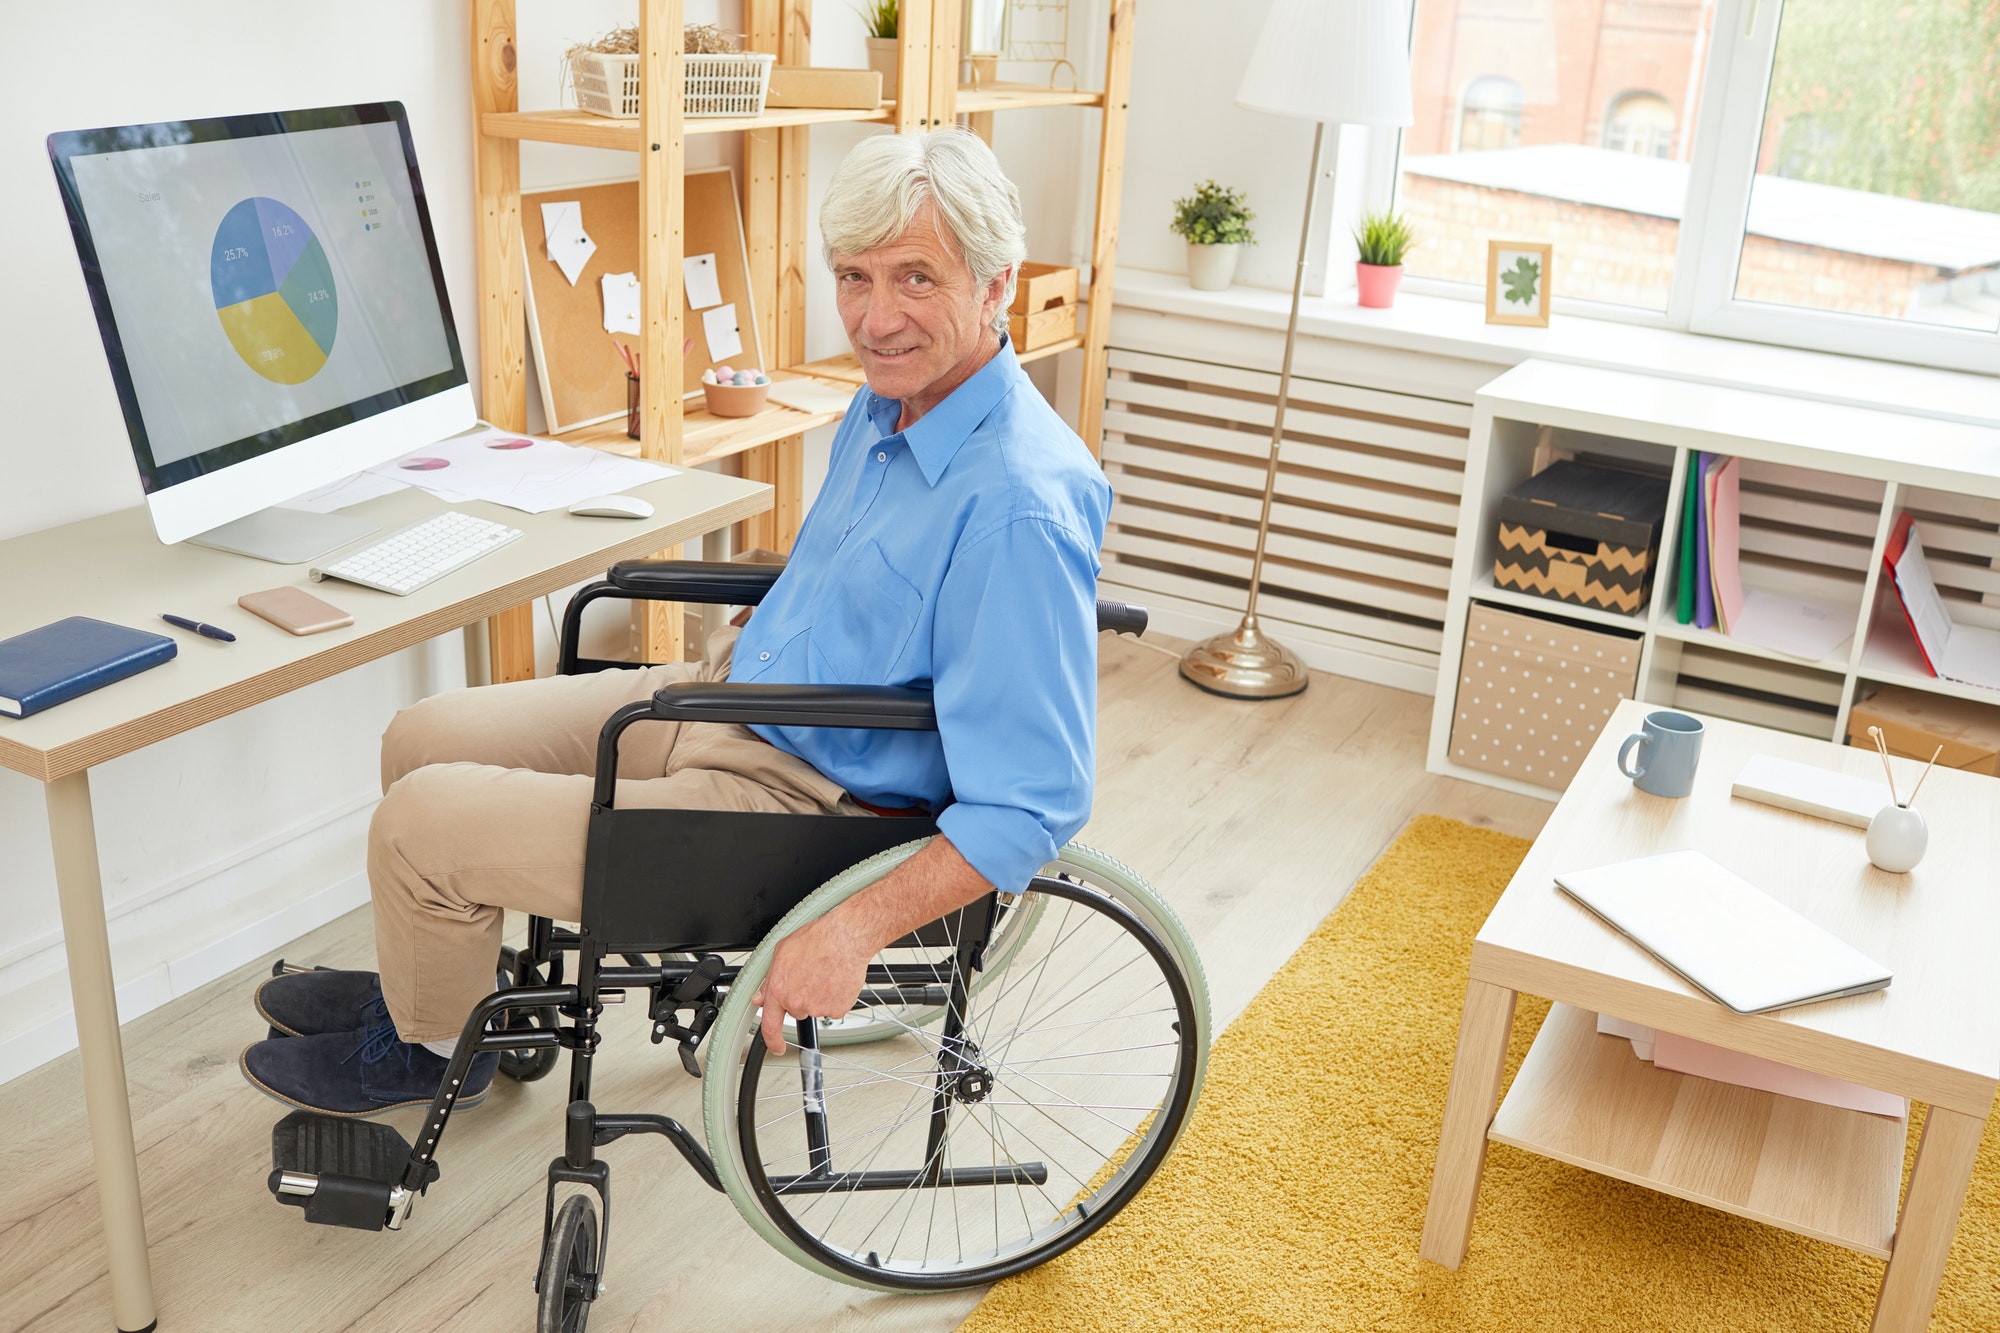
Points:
x=1822 y=484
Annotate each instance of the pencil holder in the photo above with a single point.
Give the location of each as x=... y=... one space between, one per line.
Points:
x=631 y=405
x=1897 y=839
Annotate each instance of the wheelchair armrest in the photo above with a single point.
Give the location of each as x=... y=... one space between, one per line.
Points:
x=711 y=581
x=868 y=706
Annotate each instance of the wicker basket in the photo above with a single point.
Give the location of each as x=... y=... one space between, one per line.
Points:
x=725 y=85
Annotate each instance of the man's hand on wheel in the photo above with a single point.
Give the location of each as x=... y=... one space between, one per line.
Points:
x=816 y=972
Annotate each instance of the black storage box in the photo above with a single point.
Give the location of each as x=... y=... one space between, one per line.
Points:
x=1582 y=533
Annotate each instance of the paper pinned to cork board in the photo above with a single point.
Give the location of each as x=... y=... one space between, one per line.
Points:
x=578 y=371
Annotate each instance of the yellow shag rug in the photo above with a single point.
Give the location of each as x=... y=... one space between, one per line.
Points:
x=1297 y=1193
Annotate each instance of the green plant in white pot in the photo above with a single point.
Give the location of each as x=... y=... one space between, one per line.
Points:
x=1216 y=222
x=1382 y=239
x=881 y=17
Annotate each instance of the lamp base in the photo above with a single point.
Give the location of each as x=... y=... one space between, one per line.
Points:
x=1245 y=664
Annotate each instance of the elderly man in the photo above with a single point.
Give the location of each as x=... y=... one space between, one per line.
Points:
x=953 y=545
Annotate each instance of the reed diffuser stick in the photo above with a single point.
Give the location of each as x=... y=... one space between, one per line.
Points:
x=1882 y=748
x=1926 y=773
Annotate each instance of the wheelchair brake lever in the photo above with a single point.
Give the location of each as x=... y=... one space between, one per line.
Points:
x=697 y=992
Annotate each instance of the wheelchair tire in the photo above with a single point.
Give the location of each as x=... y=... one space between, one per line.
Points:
x=530 y=1063
x=1032 y=1169
x=566 y=1288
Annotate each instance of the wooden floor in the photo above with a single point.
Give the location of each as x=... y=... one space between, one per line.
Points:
x=1252 y=819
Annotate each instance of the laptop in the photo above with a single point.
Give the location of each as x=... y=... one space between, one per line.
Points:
x=1723 y=935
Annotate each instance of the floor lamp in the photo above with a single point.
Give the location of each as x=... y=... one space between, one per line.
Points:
x=1338 y=62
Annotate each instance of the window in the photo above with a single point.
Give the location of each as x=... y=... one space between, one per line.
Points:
x=1836 y=164
x=1490 y=115
x=1641 y=123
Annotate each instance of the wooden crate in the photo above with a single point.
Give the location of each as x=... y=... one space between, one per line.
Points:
x=1042 y=327
x=1534 y=693
x=1039 y=287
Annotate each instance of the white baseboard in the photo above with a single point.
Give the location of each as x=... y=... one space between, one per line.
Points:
x=32 y=1046
x=1322 y=650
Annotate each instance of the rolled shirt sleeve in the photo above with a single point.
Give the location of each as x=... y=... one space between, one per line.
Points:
x=1014 y=657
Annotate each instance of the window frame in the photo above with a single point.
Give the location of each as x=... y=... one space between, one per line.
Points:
x=1727 y=131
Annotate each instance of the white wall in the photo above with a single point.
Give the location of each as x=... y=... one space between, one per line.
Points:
x=235 y=838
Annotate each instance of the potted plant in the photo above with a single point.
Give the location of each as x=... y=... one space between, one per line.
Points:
x=881 y=17
x=1215 y=222
x=1383 y=239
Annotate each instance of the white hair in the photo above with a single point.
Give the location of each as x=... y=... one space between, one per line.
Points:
x=885 y=180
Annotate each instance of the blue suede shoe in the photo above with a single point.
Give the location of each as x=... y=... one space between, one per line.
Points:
x=305 y=1004
x=358 y=1073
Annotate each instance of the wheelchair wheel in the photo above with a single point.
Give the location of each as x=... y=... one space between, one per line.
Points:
x=566 y=1286
x=875 y=1023
x=533 y=1062
x=953 y=1155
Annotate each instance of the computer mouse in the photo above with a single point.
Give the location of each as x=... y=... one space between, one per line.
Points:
x=612 y=506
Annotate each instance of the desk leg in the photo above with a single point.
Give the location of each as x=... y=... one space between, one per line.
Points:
x=88 y=945
x=1483 y=1031
x=1928 y=1221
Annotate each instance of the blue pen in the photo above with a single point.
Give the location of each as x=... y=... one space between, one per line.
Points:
x=209 y=631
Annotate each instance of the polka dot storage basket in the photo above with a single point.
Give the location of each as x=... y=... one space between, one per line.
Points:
x=1533 y=694
x=717 y=85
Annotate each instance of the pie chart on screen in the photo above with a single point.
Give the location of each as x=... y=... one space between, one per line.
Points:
x=273 y=290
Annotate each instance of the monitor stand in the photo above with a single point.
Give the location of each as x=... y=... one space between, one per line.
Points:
x=286 y=536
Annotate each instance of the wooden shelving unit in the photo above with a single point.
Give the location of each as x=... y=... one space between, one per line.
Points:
x=771 y=444
x=1823 y=484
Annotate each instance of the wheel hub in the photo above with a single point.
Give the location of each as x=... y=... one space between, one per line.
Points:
x=966 y=1080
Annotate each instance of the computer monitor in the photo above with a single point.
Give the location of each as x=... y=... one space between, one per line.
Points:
x=272 y=306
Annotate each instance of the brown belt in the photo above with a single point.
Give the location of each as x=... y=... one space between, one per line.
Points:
x=886 y=811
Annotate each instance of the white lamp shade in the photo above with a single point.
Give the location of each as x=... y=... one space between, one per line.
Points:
x=1344 y=61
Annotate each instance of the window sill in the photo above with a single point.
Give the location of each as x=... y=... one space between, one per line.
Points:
x=1441 y=326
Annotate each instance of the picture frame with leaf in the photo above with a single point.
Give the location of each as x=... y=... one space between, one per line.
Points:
x=1518 y=282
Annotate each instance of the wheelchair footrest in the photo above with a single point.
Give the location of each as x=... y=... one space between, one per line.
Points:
x=343 y=1172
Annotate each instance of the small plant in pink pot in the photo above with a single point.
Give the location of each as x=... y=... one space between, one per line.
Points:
x=1383 y=239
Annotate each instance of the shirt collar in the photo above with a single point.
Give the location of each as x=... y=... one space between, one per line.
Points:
x=935 y=439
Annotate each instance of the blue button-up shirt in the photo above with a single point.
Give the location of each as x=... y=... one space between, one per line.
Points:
x=959 y=555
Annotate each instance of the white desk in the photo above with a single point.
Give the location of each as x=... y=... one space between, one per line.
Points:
x=114 y=568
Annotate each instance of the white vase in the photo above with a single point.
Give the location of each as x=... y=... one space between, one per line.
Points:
x=884 y=57
x=1897 y=839
x=1211 y=268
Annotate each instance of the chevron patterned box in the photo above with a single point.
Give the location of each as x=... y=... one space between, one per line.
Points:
x=1582 y=533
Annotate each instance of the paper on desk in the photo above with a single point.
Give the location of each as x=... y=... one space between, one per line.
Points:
x=340 y=494
x=567 y=242
x=719 y=327
x=519 y=471
x=621 y=302
x=1804 y=627
x=698 y=274
x=811 y=396
x=1688 y=1056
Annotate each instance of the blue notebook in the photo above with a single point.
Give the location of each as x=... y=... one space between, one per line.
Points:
x=55 y=663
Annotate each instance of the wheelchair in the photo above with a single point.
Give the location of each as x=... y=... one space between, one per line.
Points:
x=1010 y=1076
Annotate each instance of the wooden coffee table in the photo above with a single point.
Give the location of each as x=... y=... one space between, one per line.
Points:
x=1933 y=1036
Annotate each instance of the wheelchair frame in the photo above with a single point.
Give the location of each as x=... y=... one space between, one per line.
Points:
x=366 y=1176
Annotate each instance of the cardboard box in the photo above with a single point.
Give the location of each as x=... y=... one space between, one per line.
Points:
x=807 y=86
x=1582 y=533
x=1534 y=693
x=1915 y=722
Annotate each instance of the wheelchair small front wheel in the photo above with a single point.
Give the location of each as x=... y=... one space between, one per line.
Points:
x=531 y=1062
x=1050 y=1089
x=568 y=1282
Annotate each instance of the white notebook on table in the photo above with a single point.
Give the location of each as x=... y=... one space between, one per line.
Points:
x=1722 y=934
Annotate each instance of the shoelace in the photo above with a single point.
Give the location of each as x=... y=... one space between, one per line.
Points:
x=377 y=1043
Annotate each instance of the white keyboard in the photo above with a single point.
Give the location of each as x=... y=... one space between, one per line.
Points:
x=408 y=558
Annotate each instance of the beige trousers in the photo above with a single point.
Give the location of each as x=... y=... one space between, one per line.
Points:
x=486 y=800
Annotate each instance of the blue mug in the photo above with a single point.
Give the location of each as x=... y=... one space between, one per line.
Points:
x=1669 y=746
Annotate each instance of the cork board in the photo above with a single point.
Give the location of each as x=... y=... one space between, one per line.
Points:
x=582 y=376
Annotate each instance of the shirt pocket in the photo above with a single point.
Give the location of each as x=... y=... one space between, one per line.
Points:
x=864 y=624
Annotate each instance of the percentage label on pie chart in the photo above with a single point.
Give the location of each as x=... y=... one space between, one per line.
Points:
x=273 y=291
